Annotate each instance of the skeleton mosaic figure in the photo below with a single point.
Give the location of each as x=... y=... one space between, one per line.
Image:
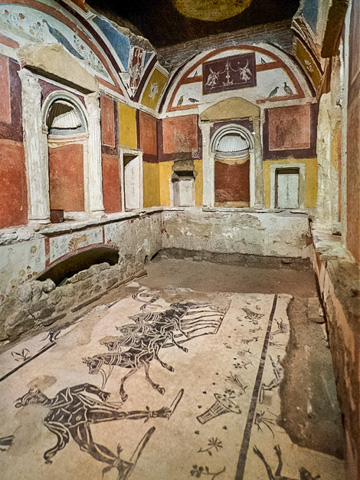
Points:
x=72 y=412
x=151 y=332
x=304 y=474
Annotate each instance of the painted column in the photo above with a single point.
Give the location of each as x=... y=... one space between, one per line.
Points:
x=36 y=150
x=94 y=198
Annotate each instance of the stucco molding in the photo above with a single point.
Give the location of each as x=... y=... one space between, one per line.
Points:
x=52 y=61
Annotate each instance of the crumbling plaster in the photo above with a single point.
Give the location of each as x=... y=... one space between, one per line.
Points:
x=138 y=236
x=330 y=117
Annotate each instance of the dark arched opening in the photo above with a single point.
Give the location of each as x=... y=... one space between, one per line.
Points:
x=66 y=266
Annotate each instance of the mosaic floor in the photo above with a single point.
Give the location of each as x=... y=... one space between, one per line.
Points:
x=161 y=385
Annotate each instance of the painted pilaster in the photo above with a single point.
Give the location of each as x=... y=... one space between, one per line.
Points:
x=257 y=173
x=208 y=167
x=93 y=169
x=36 y=151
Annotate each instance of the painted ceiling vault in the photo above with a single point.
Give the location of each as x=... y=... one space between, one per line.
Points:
x=179 y=21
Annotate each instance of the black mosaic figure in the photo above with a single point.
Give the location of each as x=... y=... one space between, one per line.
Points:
x=72 y=412
x=304 y=474
x=151 y=332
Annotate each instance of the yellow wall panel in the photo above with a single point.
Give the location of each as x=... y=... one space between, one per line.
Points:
x=127 y=126
x=310 y=179
x=165 y=172
x=198 y=183
x=151 y=184
x=311 y=174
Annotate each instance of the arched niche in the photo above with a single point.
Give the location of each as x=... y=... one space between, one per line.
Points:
x=66 y=125
x=232 y=145
x=54 y=64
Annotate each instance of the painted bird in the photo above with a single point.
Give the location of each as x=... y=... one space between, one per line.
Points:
x=63 y=40
x=180 y=101
x=288 y=89
x=273 y=92
x=193 y=100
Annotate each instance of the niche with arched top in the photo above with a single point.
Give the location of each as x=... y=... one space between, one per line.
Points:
x=231 y=148
x=67 y=135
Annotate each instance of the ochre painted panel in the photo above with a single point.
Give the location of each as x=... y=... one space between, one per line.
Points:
x=127 y=126
x=311 y=183
x=180 y=134
x=165 y=173
x=5 y=103
x=308 y=63
x=66 y=172
x=107 y=121
x=232 y=182
x=111 y=184
x=153 y=89
x=148 y=133
x=151 y=184
x=13 y=190
x=198 y=164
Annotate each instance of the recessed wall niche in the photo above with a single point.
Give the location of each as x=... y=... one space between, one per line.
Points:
x=67 y=134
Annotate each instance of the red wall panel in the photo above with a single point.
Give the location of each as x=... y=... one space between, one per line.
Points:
x=148 y=133
x=111 y=184
x=66 y=173
x=180 y=134
x=232 y=182
x=13 y=189
x=107 y=121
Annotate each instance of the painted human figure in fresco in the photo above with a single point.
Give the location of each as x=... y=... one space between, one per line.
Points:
x=135 y=69
x=72 y=412
x=212 y=79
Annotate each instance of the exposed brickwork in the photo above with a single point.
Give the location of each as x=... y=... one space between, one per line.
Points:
x=278 y=34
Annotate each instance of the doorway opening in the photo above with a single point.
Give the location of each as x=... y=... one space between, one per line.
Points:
x=132 y=181
x=287 y=183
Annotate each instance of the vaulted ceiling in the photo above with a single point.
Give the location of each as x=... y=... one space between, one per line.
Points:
x=169 y=22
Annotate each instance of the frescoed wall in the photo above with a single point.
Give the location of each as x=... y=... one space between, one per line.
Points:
x=13 y=187
x=110 y=155
x=290 y=131
x=148 y=143
x=37 y=23
x=242 y=82
x=258 y=74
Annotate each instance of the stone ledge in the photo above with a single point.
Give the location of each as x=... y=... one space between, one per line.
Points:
x=339 y=284
x=24 y=233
